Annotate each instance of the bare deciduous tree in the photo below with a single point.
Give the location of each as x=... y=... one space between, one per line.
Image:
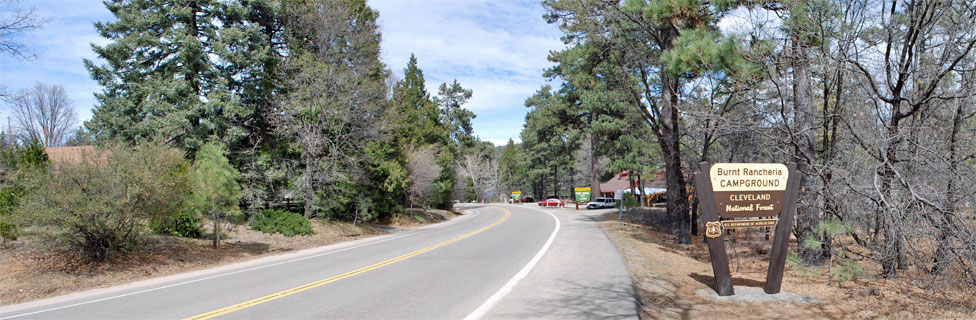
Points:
x=422 y=169
x=18 y=21
x=45 y=114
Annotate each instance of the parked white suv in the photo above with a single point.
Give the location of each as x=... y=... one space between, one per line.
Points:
x=601 y=202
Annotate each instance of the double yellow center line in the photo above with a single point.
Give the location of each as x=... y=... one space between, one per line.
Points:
x=285 y=293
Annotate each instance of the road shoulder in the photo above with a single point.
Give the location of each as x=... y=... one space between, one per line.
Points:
x=582 y=276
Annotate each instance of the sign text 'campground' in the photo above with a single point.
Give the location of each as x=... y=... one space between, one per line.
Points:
x=749 y=189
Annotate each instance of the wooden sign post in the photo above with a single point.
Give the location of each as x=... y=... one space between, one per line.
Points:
x=747 y=190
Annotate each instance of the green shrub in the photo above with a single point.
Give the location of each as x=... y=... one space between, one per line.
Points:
x=280 y=221
x=796 y=264
x=470 y=194
x=17 y=163
x=848 y=269
x=629 y=202
x=101 y=206
x=9 y=198
x=32 y=155
x=29 y=156
x=182 y=223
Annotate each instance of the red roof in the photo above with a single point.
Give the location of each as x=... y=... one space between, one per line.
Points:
x=618 y=182
x=622 y=181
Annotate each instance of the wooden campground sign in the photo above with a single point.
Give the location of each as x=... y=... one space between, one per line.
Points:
x=582 y=195
x=744 y=195
x=748 y=189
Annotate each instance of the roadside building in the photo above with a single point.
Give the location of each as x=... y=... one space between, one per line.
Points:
x=68 y=155
x=621 y=183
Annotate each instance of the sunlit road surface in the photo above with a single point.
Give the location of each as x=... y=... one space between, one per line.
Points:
x=504 y=261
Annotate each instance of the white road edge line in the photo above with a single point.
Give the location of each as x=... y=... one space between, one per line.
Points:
x=477 y=212
x=507 y=288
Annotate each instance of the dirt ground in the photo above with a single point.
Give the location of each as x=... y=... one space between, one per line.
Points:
x=672 y=278
x=29 y=272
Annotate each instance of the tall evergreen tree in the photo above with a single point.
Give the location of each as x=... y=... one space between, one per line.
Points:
x=192 y=71
x=335 y=100
x=548 y=142
x=510 y=167
x=250 y=46
x=417 y=126
x=416 y=116
x=677 y=40
x=457 y=119
x=456 y=122
x=159 y=81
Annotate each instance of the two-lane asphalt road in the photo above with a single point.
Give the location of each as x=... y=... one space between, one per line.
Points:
x=464 y=267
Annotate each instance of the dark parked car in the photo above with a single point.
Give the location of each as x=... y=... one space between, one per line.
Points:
x=527 y=200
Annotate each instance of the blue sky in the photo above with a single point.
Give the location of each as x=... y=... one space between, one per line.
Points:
x=60 y=47
x=496 y=48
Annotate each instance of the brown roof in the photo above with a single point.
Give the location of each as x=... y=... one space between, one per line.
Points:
x=618 y=182
x=621 y=181
x=62 y=155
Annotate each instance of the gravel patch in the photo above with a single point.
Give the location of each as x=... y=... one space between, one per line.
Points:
x=749 y=294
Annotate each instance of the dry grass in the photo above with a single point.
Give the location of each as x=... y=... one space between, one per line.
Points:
x=29 y=272
x=415 y=217
x=667 y=276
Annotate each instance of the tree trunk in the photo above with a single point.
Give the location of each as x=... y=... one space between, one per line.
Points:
x=640 y=184
x=216 y=227
x=886 y=220
x=595 y=191
x=555 y=181
x=808 y=216
x=632 y=183
x=670 y=142
x=941 y=253
x=309 y=194
x=695 y=207
x=831 y=121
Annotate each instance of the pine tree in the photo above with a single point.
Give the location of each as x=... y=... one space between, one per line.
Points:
x=250 y=45
x=214 y=185
x=456 y=118
x=510 y=169
x=548 y=139
x=159 y=78
x=190 y=72
x=416 y=116
x=677 y=40
x=335 y=101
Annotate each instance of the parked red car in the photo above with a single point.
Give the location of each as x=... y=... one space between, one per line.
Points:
x=552 y=202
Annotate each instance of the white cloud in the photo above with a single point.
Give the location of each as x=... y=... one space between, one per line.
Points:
x=744 y=21
x=502 y=142
x=498 y=49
